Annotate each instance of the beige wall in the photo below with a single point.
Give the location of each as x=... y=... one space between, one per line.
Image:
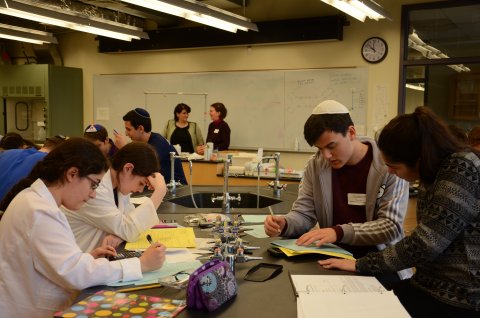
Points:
x=80 y=50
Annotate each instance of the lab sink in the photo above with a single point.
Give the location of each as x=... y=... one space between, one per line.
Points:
x=204 y=200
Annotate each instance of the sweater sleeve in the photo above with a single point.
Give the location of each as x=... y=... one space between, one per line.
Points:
x=302 y=216
x=165 y=133
x=389 y=213
x=199 y=136
x=445 y=210
x=225 y=137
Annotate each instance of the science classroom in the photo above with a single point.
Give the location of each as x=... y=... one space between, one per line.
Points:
x=236 y=158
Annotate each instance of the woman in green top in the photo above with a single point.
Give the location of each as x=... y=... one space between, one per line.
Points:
x=180 y=131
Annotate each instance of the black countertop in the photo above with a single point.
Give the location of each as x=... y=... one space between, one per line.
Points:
x=270 y=299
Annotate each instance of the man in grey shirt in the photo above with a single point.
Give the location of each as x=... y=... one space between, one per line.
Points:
x=346 y=188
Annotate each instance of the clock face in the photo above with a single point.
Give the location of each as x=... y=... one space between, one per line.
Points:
x=374 y=50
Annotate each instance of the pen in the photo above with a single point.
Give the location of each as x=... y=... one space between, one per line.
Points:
x=149 y=239
x=271 y=211
x=272 y=214
x=138 y=288
x=295 y=293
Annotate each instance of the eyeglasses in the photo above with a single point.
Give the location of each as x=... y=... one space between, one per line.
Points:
x=93 y=184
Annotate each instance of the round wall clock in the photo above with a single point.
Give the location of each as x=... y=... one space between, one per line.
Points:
x=374 y=50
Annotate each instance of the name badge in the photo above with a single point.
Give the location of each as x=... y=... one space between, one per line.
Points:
x=357 y=199
x=216 y=131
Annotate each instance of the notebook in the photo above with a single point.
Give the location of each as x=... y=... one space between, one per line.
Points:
x=290 y=248
x=338 y=296
x=108 y=303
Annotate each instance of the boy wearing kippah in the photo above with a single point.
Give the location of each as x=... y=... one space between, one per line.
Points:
x=138 y=126
x=99 y=136
x=346 y=188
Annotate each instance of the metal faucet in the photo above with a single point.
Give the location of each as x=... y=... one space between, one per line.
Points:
x=275 y=185
x=172 y=185
x=226 y=198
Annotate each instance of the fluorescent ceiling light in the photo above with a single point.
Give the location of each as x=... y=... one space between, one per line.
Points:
x=360 y=9
x=12 y=32
x=85 y=24
x=430 y=52
x=417 y=87
x=198 y=12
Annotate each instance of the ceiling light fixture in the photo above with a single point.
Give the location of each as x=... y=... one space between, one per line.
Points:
x=430 y=52
x=360 y=9
x=198 y=12
x=417 y=87
x=15 y=33
x=76 y=22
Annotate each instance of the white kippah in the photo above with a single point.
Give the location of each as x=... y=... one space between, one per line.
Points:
x=330 y=107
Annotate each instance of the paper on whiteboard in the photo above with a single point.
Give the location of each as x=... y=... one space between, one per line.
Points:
x=102 y=113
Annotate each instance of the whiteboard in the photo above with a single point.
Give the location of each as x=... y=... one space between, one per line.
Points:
x=266 y=109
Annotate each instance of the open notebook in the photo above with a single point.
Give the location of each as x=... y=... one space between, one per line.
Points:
x=342 y=296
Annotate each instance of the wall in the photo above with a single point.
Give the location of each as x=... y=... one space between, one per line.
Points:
x=80 y=50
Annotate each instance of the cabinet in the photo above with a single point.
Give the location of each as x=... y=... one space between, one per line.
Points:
x=465 y=101
x=41 y=100
x=210 y=173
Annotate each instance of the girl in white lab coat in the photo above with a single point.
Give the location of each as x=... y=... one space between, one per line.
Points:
x=134 y=166
x=41 y=265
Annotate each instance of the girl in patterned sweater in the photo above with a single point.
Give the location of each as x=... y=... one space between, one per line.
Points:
x=445 y=246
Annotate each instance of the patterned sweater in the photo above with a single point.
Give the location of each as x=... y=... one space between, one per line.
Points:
x=445 y=246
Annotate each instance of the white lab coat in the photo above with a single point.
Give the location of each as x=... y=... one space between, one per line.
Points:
x=100 y=216
x=41 y=266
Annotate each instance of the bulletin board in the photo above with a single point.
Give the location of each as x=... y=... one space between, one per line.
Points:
x=265 y=108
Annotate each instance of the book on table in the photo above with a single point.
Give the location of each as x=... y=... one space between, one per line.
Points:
x=290 y=248
x=109 y=303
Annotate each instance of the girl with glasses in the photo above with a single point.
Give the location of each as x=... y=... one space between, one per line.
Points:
x=42 y=266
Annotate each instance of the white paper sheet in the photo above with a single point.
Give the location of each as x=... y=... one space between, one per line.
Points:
x=345 y=296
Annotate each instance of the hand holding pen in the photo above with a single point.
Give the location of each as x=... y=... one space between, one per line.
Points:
x=274 y=225
x=153 y=257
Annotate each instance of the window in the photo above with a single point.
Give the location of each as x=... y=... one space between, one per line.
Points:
x=440 y=66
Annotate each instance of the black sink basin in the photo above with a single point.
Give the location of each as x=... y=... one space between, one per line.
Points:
x=204 y=200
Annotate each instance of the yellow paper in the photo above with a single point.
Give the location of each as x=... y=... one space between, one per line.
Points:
x=175 y=237
x=290 y=253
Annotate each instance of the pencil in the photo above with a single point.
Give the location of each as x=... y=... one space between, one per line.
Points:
x=271 y=211
x=295 y=293
x=138 y=288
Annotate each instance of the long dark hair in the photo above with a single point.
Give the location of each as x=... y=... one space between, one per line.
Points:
x=418 y=138
x=75 y=152
x=143 y=157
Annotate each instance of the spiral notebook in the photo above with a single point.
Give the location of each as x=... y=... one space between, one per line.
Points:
x=108 y=303
x=344 y=296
